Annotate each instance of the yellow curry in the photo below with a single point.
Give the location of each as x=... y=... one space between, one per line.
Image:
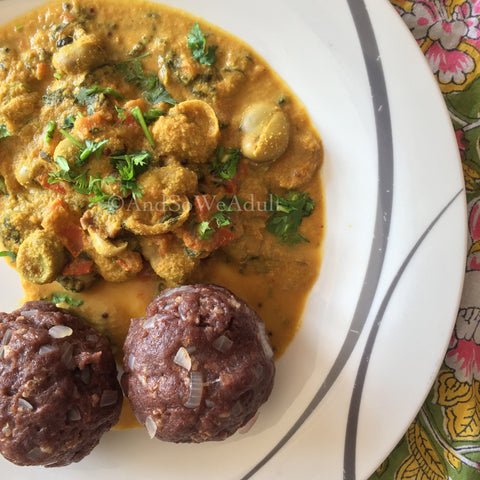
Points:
x=142 y=148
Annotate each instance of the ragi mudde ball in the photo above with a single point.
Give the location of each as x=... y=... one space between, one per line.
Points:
x=59 y=390
x=198 y=366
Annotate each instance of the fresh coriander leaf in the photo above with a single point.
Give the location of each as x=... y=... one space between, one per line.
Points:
x=132 y=70
x=62 y=163
x=205 y=230
x=52 y=125
x=153 y=91
x=129 y=166
x=81 y=183
x=225 y=165
x=152 y=115
x=4 y=132
x=68 y=122
x=90 y=148
x=222 y=219
x=196 y=42
x=87 y=96
x=121 y=113
x=57 y=298
x=157 y=94
x=64 y=172
x=71 y=138
x=287 y=214
x=9 y=253
x=132 y=187
x=106 y=201
x=107 y=91
x=138 y=115
x=92 y=187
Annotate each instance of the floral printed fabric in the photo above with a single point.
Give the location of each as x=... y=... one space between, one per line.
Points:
x=444 y=440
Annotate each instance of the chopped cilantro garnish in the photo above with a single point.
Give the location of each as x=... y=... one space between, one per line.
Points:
x=148 y=82
x=196 y=42
x=88 y=95
x=138 y=115
x=225 y=165
x=287 y=214
x=4 y=132
x=57 y=298
x=121 y=113
x=207 y=228
x=129 y=166
x=64 y=172
x=52 y=125
x=86 y=184
x=71 y=138
x=108 y=91
x=89 y=148
x=97 y=195
x=158 y=94
x=9 y=253
x=152 y=115
x=68 y=121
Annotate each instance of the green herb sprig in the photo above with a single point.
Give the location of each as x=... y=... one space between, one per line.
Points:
x=287 y=214
x=138 y=115
x=4 y=133
x=57 y=298
x=52 y=125
x=207 y=228
x=129 y=166
x=225 y=165
x=10 y=254
x=197 y=43
x=148 y=82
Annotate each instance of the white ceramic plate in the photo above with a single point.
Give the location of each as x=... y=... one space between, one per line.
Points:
x=380 y=315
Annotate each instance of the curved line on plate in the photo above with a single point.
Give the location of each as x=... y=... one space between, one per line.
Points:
x=349 y=464
x=383 y=213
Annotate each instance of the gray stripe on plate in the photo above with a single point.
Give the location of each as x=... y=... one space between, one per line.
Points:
x=353 y=414
x=383 y=213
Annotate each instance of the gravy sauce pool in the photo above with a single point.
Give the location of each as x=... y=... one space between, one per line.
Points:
x=272 y=275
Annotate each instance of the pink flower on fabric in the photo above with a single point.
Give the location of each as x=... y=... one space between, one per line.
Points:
x=463 y=355
x=419 y=20
x=473 y=258
x=442 y=34
x=450 y=33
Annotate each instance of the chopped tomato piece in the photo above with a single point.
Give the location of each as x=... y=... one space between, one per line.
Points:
x=86 y=125
x=42 y=71
x=54 y=187
x=204 y=207
x=218 y=239
x=78 y=266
